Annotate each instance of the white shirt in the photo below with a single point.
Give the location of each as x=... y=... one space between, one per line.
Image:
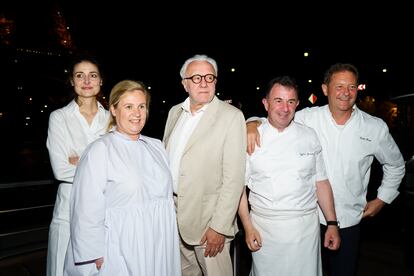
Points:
x=68 y=135
x=180 y=135
x=348 y=152
x=282 y=173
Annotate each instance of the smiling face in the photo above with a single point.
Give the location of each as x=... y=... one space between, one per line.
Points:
x=86 y=79
x=203 y=92
x=341 y=92
x=280 y=105
x=131 y=113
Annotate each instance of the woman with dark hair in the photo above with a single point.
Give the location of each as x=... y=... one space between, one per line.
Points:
x=71 y=129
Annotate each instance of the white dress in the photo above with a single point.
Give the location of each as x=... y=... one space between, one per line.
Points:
x=281 y=175
x=122 y=209
x=68 y=134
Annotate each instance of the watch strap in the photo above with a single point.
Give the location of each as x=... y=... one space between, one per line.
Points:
x=332 y=222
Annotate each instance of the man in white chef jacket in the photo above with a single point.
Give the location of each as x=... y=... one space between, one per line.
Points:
x=350 y=139
x=287 y=179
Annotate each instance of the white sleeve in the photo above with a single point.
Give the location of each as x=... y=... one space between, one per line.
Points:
x=87 y=204
x=300 y=116
x=251 y=119
x=247 y=173
x=57 y=145
x=320 y=166
x=393 y=166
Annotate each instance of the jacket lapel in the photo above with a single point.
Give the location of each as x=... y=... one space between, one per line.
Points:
x=205 y=124
x=171 y=126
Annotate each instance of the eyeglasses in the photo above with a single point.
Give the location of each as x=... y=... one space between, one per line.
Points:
x=209 y=78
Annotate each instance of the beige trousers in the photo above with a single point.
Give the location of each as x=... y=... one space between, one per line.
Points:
x=193 y=262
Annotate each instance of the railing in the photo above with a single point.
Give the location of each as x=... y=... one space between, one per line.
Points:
x=25 y=214
x=26 y=211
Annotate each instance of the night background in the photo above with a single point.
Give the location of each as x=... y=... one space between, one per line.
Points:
x=149 y=41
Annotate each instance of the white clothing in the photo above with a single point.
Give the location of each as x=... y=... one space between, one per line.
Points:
x=59 y=232
x=282 y=176
x=179 y=137
x=348 y=152
x=68 y=134
x=290 y=247
x=122 y=209
x=282 y=173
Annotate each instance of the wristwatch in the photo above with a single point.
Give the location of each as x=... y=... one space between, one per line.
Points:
x=332 y=222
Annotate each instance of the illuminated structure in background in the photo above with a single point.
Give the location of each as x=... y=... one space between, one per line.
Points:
x=35 y=47
x=62 y=30
x=7 y=27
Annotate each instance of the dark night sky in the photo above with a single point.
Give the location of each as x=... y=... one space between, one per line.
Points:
x=259 y=40
x=151 y=41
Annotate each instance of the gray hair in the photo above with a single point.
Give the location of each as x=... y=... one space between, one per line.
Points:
x=198 y=58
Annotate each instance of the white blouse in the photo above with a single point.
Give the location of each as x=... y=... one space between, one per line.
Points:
x=68 y=135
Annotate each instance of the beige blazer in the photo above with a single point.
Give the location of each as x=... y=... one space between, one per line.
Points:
x=212 y=171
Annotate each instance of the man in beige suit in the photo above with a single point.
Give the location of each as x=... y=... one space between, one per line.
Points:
x=206 y=142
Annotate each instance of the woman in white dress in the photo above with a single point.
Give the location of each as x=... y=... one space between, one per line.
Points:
x=71 y=129
x=122 y=211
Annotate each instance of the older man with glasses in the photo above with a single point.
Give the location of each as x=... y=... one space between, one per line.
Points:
x=206 y=142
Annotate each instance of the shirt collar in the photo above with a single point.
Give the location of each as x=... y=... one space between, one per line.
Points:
x=126 y=137
x=275 y=130
x=186 y=106
x=355 y=110
x=74 y=107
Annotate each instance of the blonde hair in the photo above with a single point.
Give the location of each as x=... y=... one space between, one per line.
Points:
x=120 y=89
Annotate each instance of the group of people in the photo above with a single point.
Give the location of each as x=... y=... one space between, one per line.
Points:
x=128 y=204
x=350 y=139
